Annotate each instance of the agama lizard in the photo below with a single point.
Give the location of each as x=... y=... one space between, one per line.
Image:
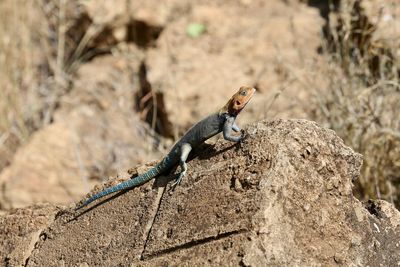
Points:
x=221 y=121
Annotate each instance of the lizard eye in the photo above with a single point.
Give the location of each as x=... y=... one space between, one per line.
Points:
x=243 y=93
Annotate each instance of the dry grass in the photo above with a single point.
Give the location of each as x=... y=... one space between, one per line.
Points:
x=17 y=72
x=362 y=101
x=41 y=44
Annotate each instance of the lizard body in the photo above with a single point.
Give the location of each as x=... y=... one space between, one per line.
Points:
x=221 y=121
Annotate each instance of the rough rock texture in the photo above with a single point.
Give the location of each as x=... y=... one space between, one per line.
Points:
x=282 y=197
x=20 y=230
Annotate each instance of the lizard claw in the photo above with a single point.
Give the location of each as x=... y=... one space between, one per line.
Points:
x=243 y=135
x=178 y=179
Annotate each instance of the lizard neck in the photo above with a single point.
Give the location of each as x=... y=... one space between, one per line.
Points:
x=227 y=110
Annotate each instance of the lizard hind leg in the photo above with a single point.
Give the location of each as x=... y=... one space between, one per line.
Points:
x=185 y=150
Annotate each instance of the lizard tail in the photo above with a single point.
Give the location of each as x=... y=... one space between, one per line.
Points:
x=123 y=186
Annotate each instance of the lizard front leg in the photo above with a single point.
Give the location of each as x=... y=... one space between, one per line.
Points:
x=229 y=125
x=185 y=150
x=235 y=127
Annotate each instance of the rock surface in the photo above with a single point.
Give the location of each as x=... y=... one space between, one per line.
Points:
x=242 y=44
x=95 y=133
x=282 y=197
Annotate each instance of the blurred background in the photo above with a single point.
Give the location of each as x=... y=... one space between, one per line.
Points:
x=91 y=88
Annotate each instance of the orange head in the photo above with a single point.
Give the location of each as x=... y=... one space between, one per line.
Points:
x=238 y=101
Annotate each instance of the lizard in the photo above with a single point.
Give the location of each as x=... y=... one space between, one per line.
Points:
x=220 y=121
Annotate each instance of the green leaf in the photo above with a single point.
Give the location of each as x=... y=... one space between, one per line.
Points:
x=194 y=30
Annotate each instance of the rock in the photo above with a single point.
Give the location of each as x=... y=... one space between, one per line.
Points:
x=282 y=197
x=20 y=230
x=112 y=16
x=243 y=44
x=123 y=21
x=45 y=170
x=107 y=13
x=95 y=133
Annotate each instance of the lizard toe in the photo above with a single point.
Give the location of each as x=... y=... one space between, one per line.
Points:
x=178 y=179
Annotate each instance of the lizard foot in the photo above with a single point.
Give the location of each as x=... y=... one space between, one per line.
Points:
x=178 y=179
x=243 y=135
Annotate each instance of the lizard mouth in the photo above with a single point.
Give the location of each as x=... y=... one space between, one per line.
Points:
x=238 y=101
x=242 y=106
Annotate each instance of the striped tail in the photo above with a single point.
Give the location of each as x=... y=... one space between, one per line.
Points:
x=124 y=185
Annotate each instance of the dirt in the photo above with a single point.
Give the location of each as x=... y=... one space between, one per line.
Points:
x=281 y=197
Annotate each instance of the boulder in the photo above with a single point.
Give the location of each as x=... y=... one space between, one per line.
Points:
x=281 y=197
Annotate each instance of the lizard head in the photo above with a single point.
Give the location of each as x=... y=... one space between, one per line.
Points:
x=238 y=101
